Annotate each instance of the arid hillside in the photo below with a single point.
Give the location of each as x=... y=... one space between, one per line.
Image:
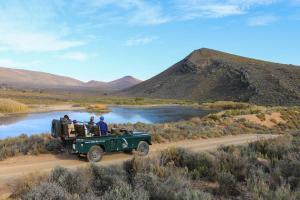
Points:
x=209 y=75
x=20 y=77
x=39 y=80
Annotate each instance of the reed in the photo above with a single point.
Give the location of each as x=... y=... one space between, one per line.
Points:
x=12 y=106
x=99 y=108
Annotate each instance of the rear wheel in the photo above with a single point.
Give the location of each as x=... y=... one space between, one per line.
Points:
x=143 y=148
x=128 y=151
x=95 y=154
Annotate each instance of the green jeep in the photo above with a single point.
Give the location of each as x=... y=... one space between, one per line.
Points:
x=91 y=144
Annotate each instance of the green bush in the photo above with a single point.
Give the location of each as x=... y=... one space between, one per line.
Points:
x=47 y=191
x=192 y=195
x=160 y=189
x=227 y=184
x=123 y=191
x=103 y=179
x=54 y=145
x=71 y=181
x=233 y=163
x=23 y=145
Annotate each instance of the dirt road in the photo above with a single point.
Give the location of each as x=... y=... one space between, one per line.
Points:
x=13 y=168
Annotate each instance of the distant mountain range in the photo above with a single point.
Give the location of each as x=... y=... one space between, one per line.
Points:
x=209 y=75
x=32 y=79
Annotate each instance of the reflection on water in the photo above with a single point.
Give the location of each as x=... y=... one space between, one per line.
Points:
x=40 y=122
x=12 y=119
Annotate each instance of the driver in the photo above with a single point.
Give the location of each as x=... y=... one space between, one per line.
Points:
x=102 y=126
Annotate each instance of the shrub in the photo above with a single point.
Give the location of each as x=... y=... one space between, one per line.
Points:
x=23 y=185
x=47 y=191
x=102 y=179
x=123 y=191
x=227 y=184
x=54 y=145
x=189 y=194
x=233 y=163
x=160 y=189
x=273 y=149
x=23 y=145
x=71 y=181
x=226 y=105
x=282 y=193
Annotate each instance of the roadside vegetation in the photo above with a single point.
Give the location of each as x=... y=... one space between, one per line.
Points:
x=11 y=106
x=261 y=170
x=28 y=145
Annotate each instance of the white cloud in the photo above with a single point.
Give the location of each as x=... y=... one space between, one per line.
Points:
x=4 y=62
x=33 y=28
x=262 y=20
x=140 y=41
x=75 y=56
x=191 y=9
x=134 y=12
x=35 y=42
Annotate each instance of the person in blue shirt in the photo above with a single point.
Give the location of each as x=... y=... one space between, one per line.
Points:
x=102 y=126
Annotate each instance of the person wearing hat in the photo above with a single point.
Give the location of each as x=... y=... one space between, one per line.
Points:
x=102 y=126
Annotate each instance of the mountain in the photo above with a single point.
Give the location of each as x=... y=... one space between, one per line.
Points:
x=125 y=82
x=209 y=75
x=26 y=78
x=119 y=84
x=40 y=80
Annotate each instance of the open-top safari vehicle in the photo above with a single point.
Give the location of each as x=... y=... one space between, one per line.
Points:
x=83 y=139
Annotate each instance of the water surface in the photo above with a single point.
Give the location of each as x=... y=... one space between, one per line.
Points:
x=36 y=123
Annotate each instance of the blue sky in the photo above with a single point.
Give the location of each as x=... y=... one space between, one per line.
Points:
x=106 y=39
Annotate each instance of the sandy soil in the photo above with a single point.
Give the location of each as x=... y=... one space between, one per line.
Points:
x=16 y=167
x=270 y=119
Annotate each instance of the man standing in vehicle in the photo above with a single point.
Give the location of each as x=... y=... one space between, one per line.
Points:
x=102 y=126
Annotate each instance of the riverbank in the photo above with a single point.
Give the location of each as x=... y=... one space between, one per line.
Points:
x=45 y=108
x=229 y=122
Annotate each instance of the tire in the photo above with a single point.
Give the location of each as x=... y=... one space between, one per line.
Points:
x=143 y=148
x=95 y=154
x=128 y=151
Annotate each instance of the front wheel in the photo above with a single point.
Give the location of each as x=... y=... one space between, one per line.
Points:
x=95 y=154
x=143 y=148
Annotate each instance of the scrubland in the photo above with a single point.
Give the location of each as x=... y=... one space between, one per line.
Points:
x=261 y=170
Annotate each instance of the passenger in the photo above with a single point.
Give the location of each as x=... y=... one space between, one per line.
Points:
x=102 y=126
x=70 y=126
x=67 y=118
x=92 y=121
x=91 y=125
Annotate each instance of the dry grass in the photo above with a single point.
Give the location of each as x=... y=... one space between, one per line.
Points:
x=226 y=105
x=98 y=108
x=11 y=106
